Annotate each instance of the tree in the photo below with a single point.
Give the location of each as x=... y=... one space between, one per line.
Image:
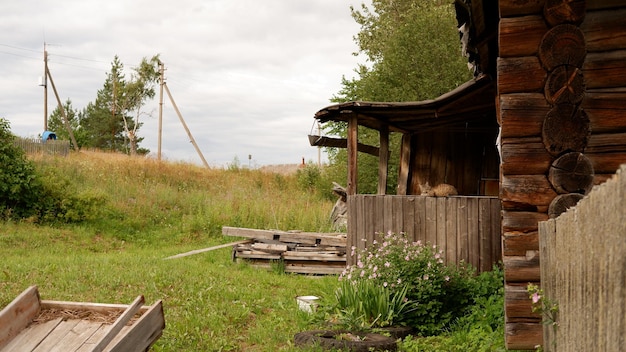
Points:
x=56 y=124
x=412 y=52
x=112 y=121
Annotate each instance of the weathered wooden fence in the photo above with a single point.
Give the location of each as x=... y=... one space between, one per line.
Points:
x=583 y=269
x=36 y=146
x=465 y=228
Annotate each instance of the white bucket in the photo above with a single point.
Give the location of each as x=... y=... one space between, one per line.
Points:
x=307 y=303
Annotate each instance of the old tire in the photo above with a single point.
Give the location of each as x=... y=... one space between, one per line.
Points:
x=327 y=339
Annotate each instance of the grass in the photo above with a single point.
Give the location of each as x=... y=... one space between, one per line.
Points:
x=154 y=210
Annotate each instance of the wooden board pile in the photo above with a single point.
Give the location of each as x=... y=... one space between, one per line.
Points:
x=297 y=252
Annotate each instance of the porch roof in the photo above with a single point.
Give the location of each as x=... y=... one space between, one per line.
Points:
x=472 y=100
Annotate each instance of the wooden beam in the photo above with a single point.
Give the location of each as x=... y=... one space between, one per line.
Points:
x=383 y=160
x=119 y=323
x=323 y=141
x=207 y=249
x=353 y=136
x=405 y=160
x=18 y=314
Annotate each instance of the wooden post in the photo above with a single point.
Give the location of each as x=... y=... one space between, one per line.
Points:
x=405 y=157
x=180 y=116
x=383 y=159
x=353 y=136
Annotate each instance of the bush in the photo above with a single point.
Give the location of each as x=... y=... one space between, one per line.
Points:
x=36 y=196
x=19 y=184
x=442 y=293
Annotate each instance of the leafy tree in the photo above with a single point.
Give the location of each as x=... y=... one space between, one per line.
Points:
x=56 y=124
x=412 y=53
x=112 y=121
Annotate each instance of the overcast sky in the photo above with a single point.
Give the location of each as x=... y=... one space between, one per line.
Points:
x=246 y=75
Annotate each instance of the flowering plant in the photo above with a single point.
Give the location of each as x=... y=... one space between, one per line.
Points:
x=441 y=292
x=548 y=308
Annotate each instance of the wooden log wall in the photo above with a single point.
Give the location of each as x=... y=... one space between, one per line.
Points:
x=465 y=228
x=561 y=88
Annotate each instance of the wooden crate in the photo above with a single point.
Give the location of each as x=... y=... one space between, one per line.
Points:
x=29 y=324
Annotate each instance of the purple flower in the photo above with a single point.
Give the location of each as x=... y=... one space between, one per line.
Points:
x=536 y=297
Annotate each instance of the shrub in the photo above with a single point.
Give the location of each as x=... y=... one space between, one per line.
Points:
x=19 y=184
x=26 y=193
x=442 y=293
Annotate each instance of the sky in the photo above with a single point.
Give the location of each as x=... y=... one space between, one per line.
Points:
x=247 y=75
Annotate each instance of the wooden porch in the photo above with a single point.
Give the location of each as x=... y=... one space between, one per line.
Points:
x=466 y=228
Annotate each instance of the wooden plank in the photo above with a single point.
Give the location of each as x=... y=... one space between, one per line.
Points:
x=388 y=215
x=420 y=215
x=143 y=333
x=484 y=228
x=56 y=337
x=451 y=231
x=268 y=247
x=473 y=233
x=431 y=220
x=116 y=327
x=329 y=239
x=30 y=337
x=197 y=251
x=309 y=268
x=496 y=230
x=322 y=257
x=441 y=224
x=405 y=157
x=95 y=307
x=462 y=230
x=383 y=159
x=18 y=314
x=409 y=220
x=77 y=336
x=353 y=139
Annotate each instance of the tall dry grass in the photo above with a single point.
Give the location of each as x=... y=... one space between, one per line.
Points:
x=147 y=199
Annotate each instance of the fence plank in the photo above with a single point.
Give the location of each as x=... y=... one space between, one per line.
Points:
x=452 y=205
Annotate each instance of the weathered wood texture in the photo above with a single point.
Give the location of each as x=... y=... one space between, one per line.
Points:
x=464 y=156
x=561 y=89
x=56 y=332
x=297 y=252
x=583 y=265
x=465 y=228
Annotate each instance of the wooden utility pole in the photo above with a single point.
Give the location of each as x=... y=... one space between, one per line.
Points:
x=180 y=116
x=65 y=120
x=45 y=88
x=161 y=83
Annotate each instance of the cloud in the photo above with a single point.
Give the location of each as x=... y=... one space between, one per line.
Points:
x=247 y=75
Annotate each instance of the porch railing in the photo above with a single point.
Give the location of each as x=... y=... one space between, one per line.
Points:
x=465 y=228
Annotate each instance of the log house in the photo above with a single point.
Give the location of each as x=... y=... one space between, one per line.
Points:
x=551 y=85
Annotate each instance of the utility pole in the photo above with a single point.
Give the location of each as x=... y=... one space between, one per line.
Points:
x=45 y=87
x=161 y=83
x=65 y=120
x=180 y=116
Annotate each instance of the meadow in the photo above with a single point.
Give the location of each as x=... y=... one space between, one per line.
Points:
x=151 y=210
